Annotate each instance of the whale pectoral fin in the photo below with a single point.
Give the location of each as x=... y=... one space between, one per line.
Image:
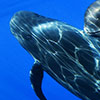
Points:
x=36 y=76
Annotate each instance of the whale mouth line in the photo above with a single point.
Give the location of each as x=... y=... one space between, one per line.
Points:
x=94 y=34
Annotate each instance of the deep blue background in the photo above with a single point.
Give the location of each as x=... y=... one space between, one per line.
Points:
x=15 y=62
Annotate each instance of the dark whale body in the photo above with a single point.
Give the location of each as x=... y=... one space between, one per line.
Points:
x=69 y=55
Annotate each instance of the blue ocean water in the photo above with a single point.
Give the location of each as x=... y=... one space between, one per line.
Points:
x=15 y=62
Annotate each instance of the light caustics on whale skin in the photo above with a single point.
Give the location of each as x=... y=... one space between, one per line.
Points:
x=92 y=18
x=69 y=55
x=61 y=53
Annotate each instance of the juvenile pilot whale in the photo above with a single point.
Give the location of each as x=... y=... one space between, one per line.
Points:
x=69 y=55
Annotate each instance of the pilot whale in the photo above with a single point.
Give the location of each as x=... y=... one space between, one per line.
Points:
x=69 y=55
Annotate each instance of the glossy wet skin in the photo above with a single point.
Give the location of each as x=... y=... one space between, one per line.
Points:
x=21 y=26
x=92 y=19
x=26 y=27
x=66 y=53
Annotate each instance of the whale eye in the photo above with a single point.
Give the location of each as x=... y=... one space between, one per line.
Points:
x=27 y=37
